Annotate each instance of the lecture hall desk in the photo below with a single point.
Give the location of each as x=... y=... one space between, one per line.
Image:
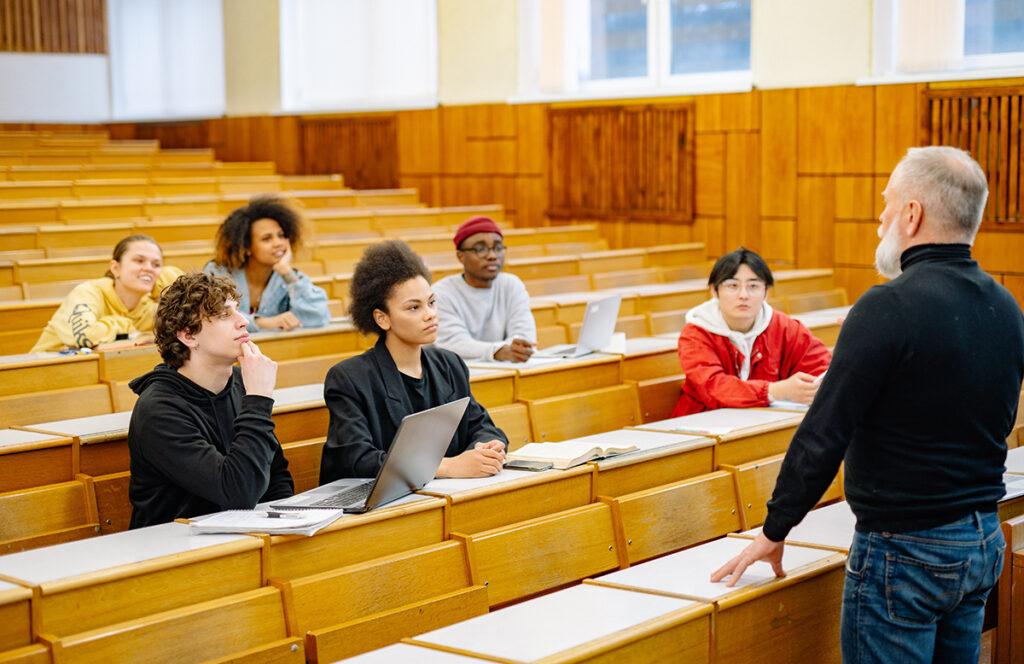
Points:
x=662 y=458
x=15 y=616
x=650 y=357
x=824 y=323
x=584 y=623
x=511 y=496
x=100 y=581
x=742 y=434
x=554 y=378
x=29 y=459
x=761 y=619
x=403 y=525
x=570 y=307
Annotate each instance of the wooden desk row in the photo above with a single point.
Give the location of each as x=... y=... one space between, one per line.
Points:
x=423 y=522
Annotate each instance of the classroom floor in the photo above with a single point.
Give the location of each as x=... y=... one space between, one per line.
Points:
x=986 y=647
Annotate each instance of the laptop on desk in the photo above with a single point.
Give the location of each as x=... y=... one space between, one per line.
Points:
x=595 y=333
x=415 y=455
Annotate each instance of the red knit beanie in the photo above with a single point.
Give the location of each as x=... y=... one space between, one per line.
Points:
x=475 y=225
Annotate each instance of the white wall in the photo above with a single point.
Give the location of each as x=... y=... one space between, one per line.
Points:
x=797 y=43
x=51 y=87
x=252 y=56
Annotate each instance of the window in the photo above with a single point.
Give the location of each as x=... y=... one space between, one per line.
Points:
x=621 y=47
x=935 y=39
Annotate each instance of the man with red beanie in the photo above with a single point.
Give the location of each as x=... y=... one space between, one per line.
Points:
x=484 y=313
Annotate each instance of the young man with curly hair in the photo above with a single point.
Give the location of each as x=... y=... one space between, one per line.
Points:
x=368 y=395
x=201 y=439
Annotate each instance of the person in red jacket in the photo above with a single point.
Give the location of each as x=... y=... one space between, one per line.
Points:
x=738 y=352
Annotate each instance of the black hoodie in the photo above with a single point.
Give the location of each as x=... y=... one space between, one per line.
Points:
x=194 y=452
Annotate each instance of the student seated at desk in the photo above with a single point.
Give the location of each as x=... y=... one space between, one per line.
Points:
x=485 y=313
x=368 y=395
x=737 y=352
x=254 y=247
x=200 y=438
x=119 y=304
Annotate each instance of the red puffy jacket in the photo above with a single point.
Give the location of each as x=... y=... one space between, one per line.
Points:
x=712 y=365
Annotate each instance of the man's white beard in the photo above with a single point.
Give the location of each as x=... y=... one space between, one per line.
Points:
x=888 y=252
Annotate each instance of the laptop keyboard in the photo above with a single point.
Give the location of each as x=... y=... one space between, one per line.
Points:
x=353 y=496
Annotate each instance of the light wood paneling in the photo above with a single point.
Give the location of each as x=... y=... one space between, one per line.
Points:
x=855 y=197
x=729 y=112
x=419 y=146
x=835 y=130
x=742 y=191
x=897 y=122
x=814 y=227
x=710 y=157
x=53 y=26
x=778 y=240
x=856 y=280
x=778 y=153
x=855 y=243
x=1015 y=284
x=531 y=131
x=1000 y=252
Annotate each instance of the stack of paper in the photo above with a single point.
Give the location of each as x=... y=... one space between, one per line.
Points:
x=302 y=522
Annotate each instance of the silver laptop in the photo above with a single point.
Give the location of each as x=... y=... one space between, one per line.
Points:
x=415 y=455
x=596 y=331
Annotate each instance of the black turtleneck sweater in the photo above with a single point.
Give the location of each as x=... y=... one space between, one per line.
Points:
x=194 y=452
x=920 y=396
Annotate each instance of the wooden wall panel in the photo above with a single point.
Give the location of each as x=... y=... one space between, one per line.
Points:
x=856 y=280
x=429 y=187
x=1000 y=251
x=729 y=112
x=778 y=153
x=1015 y=284
x=814 y=222
x=532 y=139
x=742 y=190
x=364 y=148
x=855 y=197
x=855 y=243
x=53 y=26
x=836 y=130
x=419 y=142
x=711 y=231
x=778 y=241
x=709 y=199
x=531 y=200
x=897 y=122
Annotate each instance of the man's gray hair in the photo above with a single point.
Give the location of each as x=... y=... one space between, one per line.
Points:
x=950 y=185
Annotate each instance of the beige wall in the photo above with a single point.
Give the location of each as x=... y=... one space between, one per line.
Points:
x=800 y=43
x=252 y=56
x=478 y=50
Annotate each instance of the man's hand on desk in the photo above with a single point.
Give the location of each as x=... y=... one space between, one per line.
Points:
x=482 y=460
x=517 y=351
x=761 y=548
x=800 y=387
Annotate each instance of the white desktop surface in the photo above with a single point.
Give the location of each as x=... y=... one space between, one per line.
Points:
x=299 y=394
x=540 y=627
x=403 y=653
x=62 y=561
x=822 y=316
x=719 y=422
x=641 y=345
x=532 y=363
x=16 y=437
x=485 y=372
x=688 y=572
x=574 y=297
x=5 y=586
x=1014 y=486
x=451 y=485
x=1015 y=460
x=831 y=525
x=684 y=286
x=89 y=426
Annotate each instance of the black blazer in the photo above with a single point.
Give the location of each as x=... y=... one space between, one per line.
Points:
x=367 y=401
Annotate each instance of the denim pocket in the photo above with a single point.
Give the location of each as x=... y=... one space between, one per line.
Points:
x=857 y=558
x=918 y=592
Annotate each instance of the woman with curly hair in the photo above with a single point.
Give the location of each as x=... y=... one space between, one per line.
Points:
x=254 y=247
x=368 y=395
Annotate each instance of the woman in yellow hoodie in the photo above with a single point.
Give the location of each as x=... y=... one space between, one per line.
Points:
x=118 y=304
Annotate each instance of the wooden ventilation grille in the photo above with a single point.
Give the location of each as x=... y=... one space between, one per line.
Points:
x=53 y=26
x=986 y=123
x=363 y=149
x=622 y=162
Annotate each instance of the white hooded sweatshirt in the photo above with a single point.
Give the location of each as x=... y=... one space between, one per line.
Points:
x=708 y=316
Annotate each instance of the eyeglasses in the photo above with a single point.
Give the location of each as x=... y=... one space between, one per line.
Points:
x=481 y=249
x=732 y=287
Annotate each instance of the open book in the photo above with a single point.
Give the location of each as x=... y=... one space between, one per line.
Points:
x=567 y=454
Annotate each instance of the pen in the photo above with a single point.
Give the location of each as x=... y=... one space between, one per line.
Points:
x=284 y=515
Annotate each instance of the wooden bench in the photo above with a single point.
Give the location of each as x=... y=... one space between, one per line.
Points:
x=581 y=413
x=29 y=459
x=45 y=515
x=755 y=481
x=384 y=600
x=249 y=626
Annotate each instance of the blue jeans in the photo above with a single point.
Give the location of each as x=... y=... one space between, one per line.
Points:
x=920 y=596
